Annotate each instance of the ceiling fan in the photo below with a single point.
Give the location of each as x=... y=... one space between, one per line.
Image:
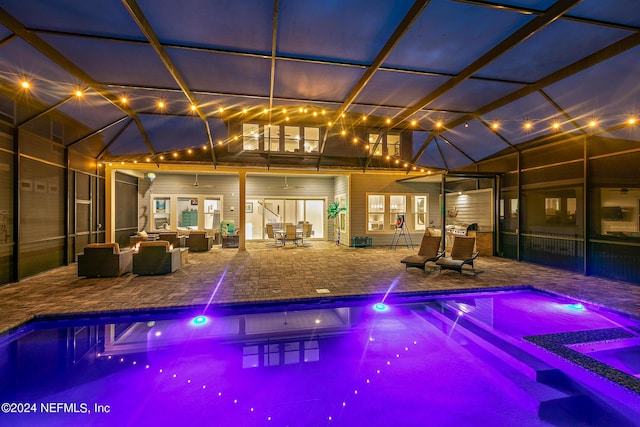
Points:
x=197 y=183
x=286 y=185
x=623 y=190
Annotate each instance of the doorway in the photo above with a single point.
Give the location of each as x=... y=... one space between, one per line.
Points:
x=260 y=212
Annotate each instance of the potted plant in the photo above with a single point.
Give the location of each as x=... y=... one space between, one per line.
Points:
x=333 y=212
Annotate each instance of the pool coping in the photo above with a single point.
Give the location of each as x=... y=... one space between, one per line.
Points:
x=256 y=306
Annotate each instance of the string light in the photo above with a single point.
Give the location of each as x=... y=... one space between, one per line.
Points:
x=495 y=125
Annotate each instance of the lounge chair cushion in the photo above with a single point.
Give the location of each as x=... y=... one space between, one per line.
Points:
x=115 y=247
x=451 y=263
x=462 y=253
x=156 y=243
x=429 y=251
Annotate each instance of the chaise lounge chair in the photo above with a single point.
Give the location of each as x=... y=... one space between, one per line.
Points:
x=462 y=254
x=429 y=252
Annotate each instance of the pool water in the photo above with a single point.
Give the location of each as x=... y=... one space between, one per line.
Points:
x=446 y=360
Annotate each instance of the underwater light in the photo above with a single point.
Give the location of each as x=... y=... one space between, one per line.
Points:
x=380 y=307
x=576 y=306
x=200 y=320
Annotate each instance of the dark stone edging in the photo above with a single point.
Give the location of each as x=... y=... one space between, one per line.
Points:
x=558 y=344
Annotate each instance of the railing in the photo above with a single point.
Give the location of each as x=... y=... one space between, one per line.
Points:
x=615 y=259
x=555 y=250
x=611 y=258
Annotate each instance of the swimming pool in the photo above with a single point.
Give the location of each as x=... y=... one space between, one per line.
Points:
x=518 y=357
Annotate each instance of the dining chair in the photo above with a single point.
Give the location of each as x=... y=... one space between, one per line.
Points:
x=306 y=232
x=290 y=235
x=272 y=235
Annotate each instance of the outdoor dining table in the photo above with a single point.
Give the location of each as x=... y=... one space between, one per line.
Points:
x=280 y=232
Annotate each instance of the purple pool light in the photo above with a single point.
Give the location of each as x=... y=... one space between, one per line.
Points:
x=199 y=320
x=380 y=307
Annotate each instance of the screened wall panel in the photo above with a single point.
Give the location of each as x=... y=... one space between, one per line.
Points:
x=6 y=211
x=572 y=149
x=126 y=207
x=614 y=216
x=553 y=175
x=42 y=216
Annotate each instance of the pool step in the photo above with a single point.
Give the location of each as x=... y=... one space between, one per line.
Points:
x=561 y=401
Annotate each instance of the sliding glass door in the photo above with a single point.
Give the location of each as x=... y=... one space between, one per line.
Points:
x=280 y=211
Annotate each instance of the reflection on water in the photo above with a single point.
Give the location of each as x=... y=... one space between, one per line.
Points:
x=333 y=366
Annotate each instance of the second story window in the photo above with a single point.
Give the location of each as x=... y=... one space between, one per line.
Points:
x=272 y=138
x=280 y=138
x=385 y=144
x=311 y=140
x=393 y=145
x=375 y=144
x=250 y=136
x=291 y=139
